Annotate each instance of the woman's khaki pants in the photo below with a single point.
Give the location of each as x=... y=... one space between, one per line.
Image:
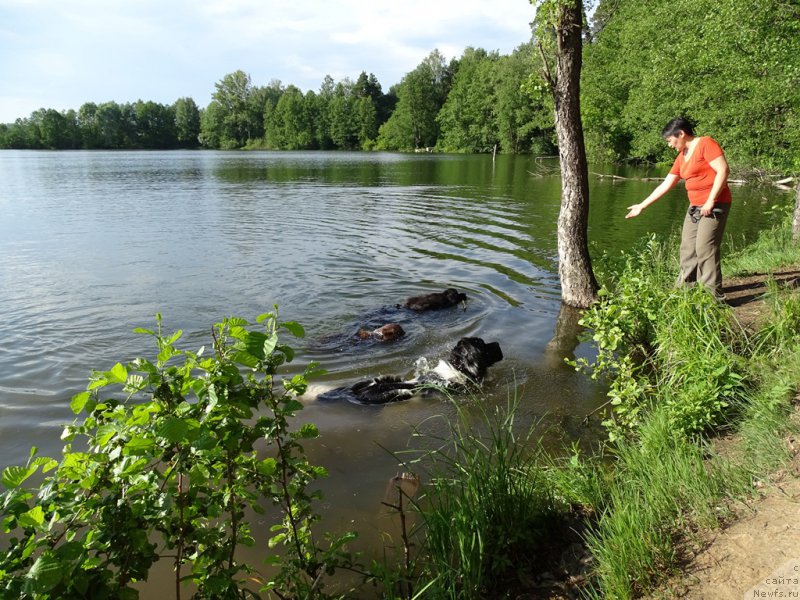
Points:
x=700 y=249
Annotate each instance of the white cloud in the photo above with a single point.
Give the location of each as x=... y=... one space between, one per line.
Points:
x=93 y=50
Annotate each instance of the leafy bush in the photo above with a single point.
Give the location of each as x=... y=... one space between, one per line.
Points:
x=169 y=460
x=664 y=345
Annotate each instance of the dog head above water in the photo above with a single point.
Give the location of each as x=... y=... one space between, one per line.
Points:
x=472 y=356
x=436 y=300
x=384 y=333
x=468 y=361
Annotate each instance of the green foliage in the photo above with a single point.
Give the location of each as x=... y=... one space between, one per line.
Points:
x=488 y=106
x=686 y=367
x=487 y=505
x=699 y=373
x=735 y=70
x=661 y=484
x=775 y=248
x=187 y=122
x=108 y=126
x=622 y=324
x=170 y=459
x=421 y=95
x=667 y=346
x=782 y=325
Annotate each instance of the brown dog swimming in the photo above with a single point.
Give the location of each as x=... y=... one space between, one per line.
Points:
x=384 y=333
x=436 y=300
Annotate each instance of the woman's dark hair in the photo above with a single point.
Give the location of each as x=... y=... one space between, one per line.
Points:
x=678 y=124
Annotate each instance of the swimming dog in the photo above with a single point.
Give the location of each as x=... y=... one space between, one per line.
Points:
x=467 y=363
x=384 y=333
x=435 y=300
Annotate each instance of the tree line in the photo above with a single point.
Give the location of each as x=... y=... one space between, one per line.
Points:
x=474 y=103
x=732 y=69
x=107 y=126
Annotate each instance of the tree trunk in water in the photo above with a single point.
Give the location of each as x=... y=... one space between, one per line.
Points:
x=578 y=283
x=796 y=219
x=566 y=337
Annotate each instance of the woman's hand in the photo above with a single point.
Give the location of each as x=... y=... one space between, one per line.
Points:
x=706 y=209
x=635 y=211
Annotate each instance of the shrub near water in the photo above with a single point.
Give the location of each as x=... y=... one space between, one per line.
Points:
x=168 y=472
x=661 y=345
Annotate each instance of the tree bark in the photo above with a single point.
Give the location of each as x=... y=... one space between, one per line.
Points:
x=578 y=283
x=566 y=337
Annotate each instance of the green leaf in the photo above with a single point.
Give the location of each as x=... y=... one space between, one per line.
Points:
x=32 y=518
x=255 y=342
x=45 y=573
x=288 y=352
x=166 y=353
x=96 y=383
x=14 y=476
x=293 y=405
x=104 y=434
x=142 y=331
x=246 y=359
x=267 y=467
x=47 y=463
x=175 y=337
x=139 y=444
x=199 y=474
x=79 y=401
x=294 y=328
x=308 y=431
x=259 y=344
x=173 y=429
x=238 y=332
x=264 y=316
x=134 y=383
x=277 y=539
x=269 y=345
x=117 y=374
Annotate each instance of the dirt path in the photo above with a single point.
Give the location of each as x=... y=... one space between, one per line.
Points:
x=758 y=555
x=744 y=294
x=755 y=557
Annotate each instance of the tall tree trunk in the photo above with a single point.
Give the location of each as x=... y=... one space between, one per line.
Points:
x=578 y=283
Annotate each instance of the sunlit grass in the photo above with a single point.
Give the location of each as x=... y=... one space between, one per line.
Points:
x=486 y=505
x=774 y=249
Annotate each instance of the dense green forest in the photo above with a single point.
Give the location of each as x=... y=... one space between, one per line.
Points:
x=732 y=68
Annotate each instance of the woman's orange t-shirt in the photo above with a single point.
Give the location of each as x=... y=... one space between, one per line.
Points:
x=698 y=173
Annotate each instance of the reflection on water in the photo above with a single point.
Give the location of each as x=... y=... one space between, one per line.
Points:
x=93 y=244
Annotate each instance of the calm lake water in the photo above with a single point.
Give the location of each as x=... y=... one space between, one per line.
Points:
x=93 y=244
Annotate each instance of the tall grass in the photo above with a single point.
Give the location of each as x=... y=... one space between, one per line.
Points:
x=772 y=250
x=775 y=364
x=486 y=506
x=699 y=376
x=662 y=484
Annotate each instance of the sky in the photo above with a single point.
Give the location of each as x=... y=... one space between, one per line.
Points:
x=62 y=53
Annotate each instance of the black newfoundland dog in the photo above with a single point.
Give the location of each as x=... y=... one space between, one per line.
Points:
x=467 y=363
x=436 y=300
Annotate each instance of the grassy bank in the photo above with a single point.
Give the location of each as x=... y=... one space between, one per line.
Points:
x=683 y=374
x=683 y=377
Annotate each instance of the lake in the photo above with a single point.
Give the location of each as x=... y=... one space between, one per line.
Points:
x=94 y=244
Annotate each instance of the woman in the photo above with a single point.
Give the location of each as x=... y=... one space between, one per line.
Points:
x=702 y=164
